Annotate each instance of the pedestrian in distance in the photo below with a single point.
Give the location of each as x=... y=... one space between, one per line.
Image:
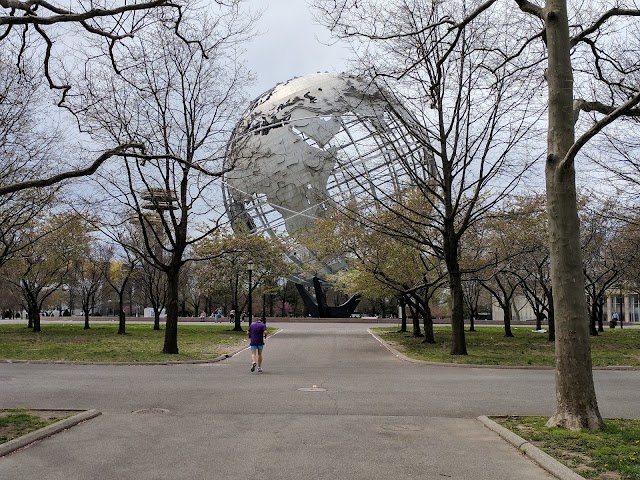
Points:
x=232 y=316
x=257 y=335
x=203 y=316
x=614 y=320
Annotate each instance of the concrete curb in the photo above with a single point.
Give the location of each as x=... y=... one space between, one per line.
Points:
x=47 y=431
x=404 y=358
x=547 y=462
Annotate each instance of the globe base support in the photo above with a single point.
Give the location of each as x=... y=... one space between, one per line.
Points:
x=318 y=308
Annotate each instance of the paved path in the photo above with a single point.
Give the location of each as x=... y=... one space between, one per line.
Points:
x=379 y=417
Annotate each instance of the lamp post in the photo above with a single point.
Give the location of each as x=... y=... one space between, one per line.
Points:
x=250 y=268
x=264 y=306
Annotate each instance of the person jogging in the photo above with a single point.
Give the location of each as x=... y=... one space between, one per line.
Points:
x=257 y=334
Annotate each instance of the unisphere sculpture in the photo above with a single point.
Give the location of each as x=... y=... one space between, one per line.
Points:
x=311 y=143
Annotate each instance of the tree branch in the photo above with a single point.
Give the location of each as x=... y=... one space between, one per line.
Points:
x=624 y=109
x=531 y=8
x=64 y=16
x=614 y=12
x=185 y=163
x=585 y=106
x=120 y=150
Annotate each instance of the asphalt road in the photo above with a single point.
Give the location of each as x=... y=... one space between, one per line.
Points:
x=373 y=415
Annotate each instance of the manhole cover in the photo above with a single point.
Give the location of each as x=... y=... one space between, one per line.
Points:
x=152 y=410
x=312 y=389
x=402 y=428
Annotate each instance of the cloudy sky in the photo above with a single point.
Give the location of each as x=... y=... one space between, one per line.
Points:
x=290 y=45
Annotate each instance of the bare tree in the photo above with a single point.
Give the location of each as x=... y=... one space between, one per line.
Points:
x=471 y=290
x=154 y=284
x=467 y=108
x=121 y=268
x=42 y=26
x=606 y=254
x=528 y=219
x=589 y=41
x=181 y=101
x=631 y=240
x=24 y=144
x=610 y=96
x=49 y=33
x=54 y=244
x=87 y=278
x=381 y=261
x=222 y=270
x=503 y=284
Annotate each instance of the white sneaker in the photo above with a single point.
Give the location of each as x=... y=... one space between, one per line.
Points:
x=259 y=369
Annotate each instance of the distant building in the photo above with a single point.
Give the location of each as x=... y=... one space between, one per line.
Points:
x=627 y=305
x=521 y=311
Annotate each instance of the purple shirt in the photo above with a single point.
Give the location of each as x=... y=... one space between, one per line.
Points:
x=256 y=333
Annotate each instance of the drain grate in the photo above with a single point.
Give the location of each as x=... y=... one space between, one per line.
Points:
x=151 y=410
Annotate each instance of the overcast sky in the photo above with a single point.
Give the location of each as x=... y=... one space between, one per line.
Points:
x=290 y=45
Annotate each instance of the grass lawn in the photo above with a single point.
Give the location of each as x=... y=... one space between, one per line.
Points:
x=17 y=422
x=101 y=343
x=613 y=453
x=489 y=346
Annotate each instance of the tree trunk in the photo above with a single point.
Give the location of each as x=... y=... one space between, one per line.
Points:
x=236 y=282
x=552 y=319
x=458 y=342
x=237 y=320
x=601 y=315
x=284 y=301
x=122 y=322
x=121 y=318
x=429 y=337
x=156 y=319
x=472 y=322
x=539 y=318
x=86 y=319
x=576 y=404
x=415 y=317
x=507 y=318
x=593 y=318
x=403 y=308
x=34 y=314
x=171 y=330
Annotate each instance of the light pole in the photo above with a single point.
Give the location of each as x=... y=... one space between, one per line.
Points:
x=250 y=268
x=264 y=306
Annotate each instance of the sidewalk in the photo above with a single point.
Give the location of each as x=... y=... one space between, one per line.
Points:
x=372 y=416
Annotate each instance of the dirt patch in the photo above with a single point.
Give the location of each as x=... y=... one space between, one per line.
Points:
x=609 y=476
x=579 y=458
